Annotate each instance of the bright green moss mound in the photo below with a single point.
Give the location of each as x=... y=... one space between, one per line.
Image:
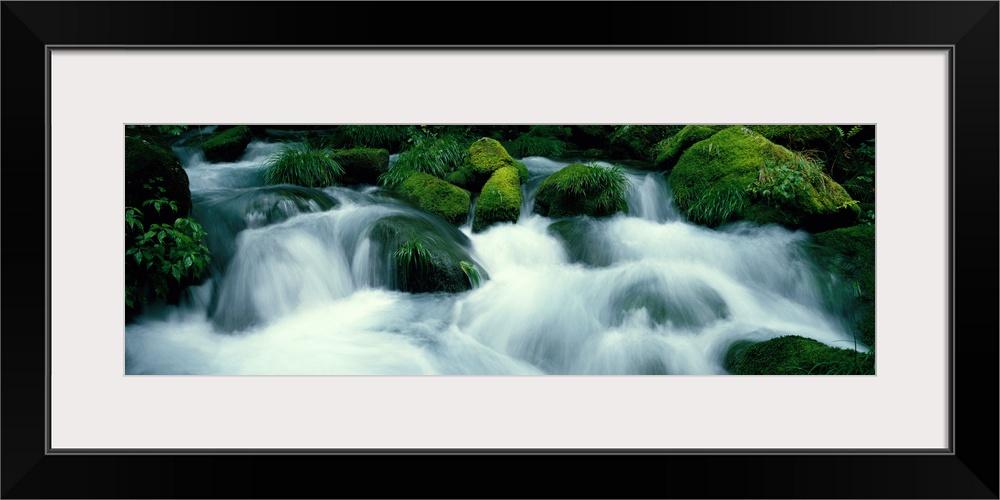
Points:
x=499 y=201
x=362 y=165
x=667 y=151
x=579 y=189
x=794 y=355
x=227 y=145
x=738 y=174
x=486 y=156
x=436 y=196
x=850 y=252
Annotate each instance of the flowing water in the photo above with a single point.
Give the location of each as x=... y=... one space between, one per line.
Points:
x=298 y=287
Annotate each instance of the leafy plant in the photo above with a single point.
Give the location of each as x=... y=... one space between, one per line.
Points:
x=783 y=183
x=303 y=164
x=164 y=251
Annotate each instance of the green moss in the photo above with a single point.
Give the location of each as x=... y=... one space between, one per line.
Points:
x=718 y=180
x=667 y=151
x=227 y=145
x=499 y=201
x=362 y=165
x=580 y=189
x=795 y=355
x=436 y=196
x=460 y=177
x=522 y=171
x=850 y=253
x=486 y=156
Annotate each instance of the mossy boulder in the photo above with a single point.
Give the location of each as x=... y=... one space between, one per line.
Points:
x=436 y=196
x=667 y=151
x=737 y=174
x=227 y=145
x=362 y=165
x=795 y=355
x=153 y=172
x=460 y=177
x=500 y=199
x=850 y=254
x=486 y=156
x=580 y=189
x=419 y=255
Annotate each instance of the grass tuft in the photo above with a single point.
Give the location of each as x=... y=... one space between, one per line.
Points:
x=302 y=164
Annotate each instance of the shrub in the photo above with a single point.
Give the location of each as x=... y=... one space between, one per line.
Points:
x=302 y=164
x=162 y=252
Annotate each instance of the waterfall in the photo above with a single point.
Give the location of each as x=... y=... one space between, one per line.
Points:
x=302 y=284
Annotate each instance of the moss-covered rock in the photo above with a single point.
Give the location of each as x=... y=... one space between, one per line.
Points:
x=500 y=199
x=362 y=165
x=795 y=355
x=227 y=145
x=153 y=172
x=460 y=177
x=850 y=254
x=738 y=174
x=418 y=255
x=486 y=156
x=579 y=189
x=436 y=196
x=667 y=151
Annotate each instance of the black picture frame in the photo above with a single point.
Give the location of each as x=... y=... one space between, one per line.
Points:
x=969 y=471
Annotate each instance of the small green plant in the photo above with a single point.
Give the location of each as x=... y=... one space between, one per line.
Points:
x=165 y=251
x=413 y=259
x=171 y=129
x=303 y=164
x=473 y=274
x=783 y=183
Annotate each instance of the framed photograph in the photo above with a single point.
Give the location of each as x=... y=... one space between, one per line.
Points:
x=367 y=245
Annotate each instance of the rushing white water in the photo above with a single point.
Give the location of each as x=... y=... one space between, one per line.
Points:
x=298 y=287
